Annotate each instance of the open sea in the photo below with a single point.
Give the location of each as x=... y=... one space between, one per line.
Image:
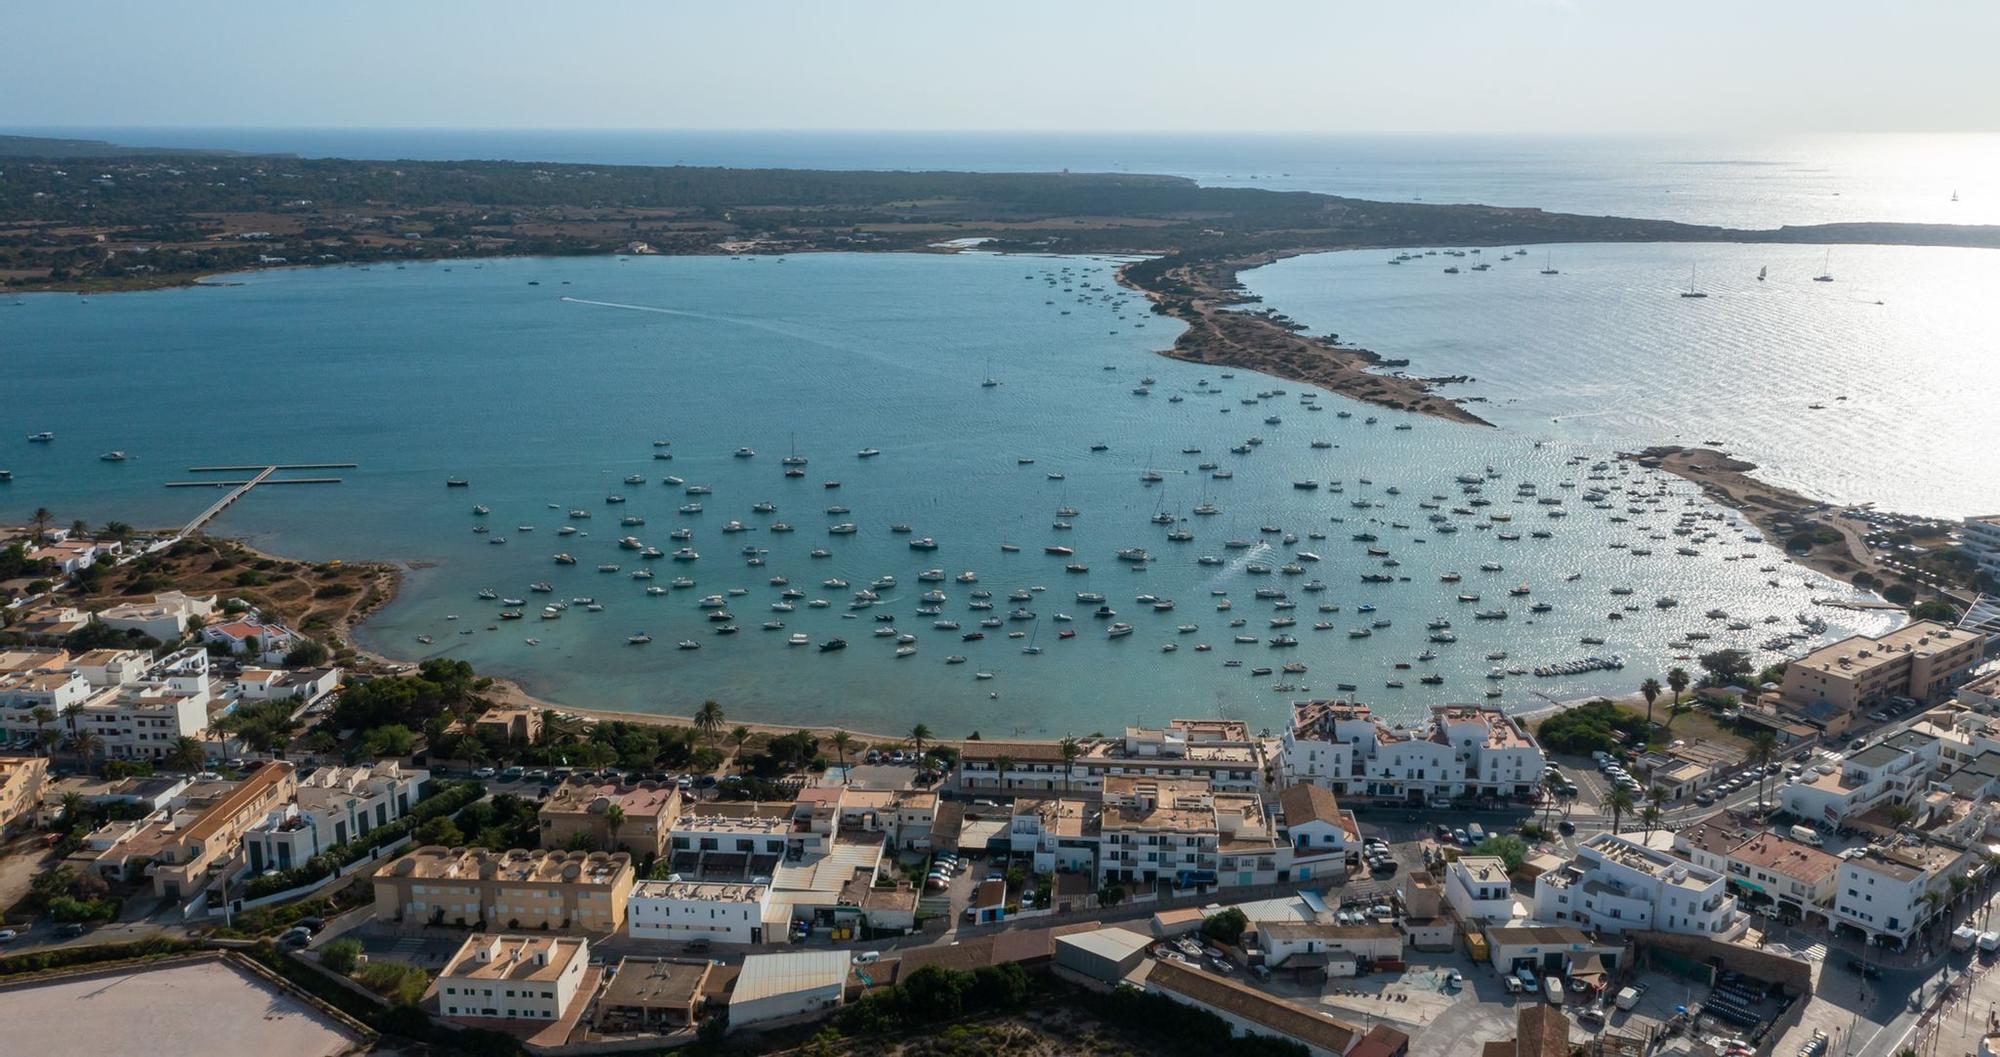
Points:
x=547 y=383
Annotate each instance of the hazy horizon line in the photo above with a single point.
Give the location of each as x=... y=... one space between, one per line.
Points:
x=23 y=129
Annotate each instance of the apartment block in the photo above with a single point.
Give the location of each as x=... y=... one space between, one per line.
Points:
x=519 y=889
x=22 y=779
x=332 y=806
x=1980 y=536
x=1882 y=894
x=581 y=814
x=717 y=911
x=135 y=707
x=1616 y=884
x=1463 y=750
x=1188 y=833
x=165 y=616
x=513 y=977
x=1219 y=752
x=198 y=849
x=1922 y=660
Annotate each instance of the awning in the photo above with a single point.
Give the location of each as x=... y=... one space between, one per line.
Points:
x=1589 y=969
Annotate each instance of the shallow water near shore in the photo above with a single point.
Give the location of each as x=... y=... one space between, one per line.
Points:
x=547 y=397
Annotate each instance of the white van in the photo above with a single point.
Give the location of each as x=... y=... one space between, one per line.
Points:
x=1807 y=835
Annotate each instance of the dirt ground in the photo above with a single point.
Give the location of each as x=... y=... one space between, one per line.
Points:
x=314 y=599
x=21 y=861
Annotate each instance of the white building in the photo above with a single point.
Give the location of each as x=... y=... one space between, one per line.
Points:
x=1320 y=833
x=135 y=707
x=1882 y=893
x=717 y=911
x=1478 y=889
x=332 y=806
x=1186 y=833
x=1057 y=835
x=272 y=640
x=513 y=977
x=1980 y=537
x=1464 y=750
x=1616 y=884
x=165 y=617
x=297 y=684
x=1889 y=773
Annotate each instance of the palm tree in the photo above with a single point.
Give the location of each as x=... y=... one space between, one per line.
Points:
x=709 y=720
x=1677 y=680
x=614 y=820
x=1650 y=690
x=79 y=527
x=841 y=740
x=1001 y=765
x=72 y=806
x=1071 y=749
x=1619 y=802
x=1901 y=815
x=1762 y=745
x=85 y=744
x=41 y=517
x=739 y=736
x=71 y=713
x=43 y=716
x=1551 y=782
x=117 y=530
x=1651 y=816
x=186 y=755
x=918 y=735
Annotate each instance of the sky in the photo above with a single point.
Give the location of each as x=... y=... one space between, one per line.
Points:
x=1496 y=66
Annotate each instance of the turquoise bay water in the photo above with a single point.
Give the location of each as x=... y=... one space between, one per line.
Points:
x=1898 y=349
x=548 y=404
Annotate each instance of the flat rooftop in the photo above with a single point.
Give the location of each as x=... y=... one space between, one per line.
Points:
x=1861 y=653
x=211 y=1006
x=710 y=891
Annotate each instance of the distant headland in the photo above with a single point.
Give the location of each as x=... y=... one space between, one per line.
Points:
x=90 y=216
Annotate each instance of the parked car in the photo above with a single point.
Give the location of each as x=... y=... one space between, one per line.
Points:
x=1528 y=981
x=484 y=772
x=69 y=931
x=8 y=935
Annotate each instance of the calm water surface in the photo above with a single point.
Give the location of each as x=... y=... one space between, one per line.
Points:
x=547 y=401
x=1898 y=351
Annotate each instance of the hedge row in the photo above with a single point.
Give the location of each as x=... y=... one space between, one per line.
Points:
x=71 y=957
